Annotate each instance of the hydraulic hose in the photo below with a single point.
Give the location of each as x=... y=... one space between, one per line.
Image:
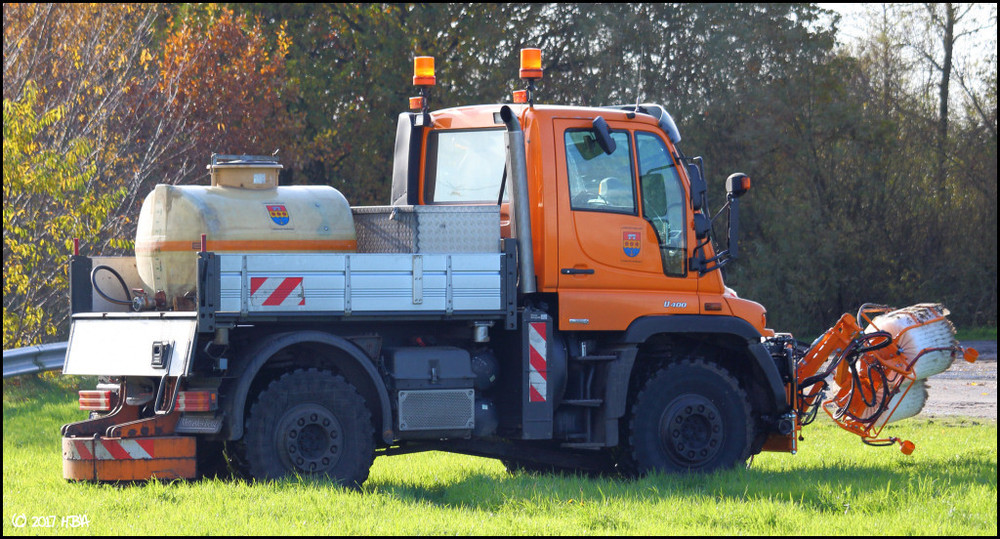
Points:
x=97 y=288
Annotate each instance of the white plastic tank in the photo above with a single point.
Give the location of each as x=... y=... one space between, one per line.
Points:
x=243 y=211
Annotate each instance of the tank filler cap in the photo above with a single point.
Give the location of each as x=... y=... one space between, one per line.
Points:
x=244 y=171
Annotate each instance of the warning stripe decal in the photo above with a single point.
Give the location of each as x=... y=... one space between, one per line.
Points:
x=277 y=291
x=81 y=451
x=126 y=449
x=537 y=361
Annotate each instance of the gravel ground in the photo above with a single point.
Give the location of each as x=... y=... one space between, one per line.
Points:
x=966 y=389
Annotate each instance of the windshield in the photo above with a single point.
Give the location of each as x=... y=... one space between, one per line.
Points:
x=465 y=166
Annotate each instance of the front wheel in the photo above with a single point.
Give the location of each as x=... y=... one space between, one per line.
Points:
x=310 y=423
x=690 y=416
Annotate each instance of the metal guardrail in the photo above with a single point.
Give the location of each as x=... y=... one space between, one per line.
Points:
x=34 y=359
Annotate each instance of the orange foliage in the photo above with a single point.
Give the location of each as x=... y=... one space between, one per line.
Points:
x=221 y=77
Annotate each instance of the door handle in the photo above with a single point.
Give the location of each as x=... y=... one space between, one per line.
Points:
x=574 y=271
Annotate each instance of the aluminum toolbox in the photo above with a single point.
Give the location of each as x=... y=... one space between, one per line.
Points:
x=427 y=229
x=361 y=284
x=138 y=344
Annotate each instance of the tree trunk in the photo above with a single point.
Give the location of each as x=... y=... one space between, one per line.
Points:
x=948 y=42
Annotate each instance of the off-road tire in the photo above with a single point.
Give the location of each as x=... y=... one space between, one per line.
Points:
x=690 y=416
x=310 y=423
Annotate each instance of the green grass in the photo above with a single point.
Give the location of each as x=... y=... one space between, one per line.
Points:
x=835 y=485
x=977 y=334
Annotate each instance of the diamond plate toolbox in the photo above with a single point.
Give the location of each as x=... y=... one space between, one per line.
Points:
x=427 y=229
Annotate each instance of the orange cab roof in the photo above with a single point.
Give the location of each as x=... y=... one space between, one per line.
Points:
x=479 y=116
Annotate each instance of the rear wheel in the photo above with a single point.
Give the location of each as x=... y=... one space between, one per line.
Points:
x=690 y=416
x=310 y=423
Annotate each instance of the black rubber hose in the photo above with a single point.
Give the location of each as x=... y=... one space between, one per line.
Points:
x=856 y=386
x=93 y=281
x=886 y=340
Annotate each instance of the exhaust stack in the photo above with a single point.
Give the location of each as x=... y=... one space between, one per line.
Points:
x=520 y=214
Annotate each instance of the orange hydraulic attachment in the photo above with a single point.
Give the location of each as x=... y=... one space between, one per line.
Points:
x=875 y=368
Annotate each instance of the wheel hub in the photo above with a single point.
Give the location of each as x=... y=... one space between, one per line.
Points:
x=691 y=430
x=310 y=439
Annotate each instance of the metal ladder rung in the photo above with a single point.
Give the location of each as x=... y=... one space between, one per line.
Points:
x=595 y=358
x=589 y=403
x=582 y=445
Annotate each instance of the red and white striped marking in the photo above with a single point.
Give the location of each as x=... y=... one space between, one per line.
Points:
x=277 y=291
x=126 y=449
x=537 y=361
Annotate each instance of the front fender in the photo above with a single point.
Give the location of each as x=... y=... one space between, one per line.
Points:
x=642 y=329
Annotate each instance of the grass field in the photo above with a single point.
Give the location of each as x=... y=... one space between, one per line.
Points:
x=976 y=334
x=834 y=486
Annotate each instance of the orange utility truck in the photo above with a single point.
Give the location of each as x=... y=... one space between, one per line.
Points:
x=543 y=288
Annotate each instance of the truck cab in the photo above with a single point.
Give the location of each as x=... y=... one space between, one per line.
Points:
x=614 y=233
x=620 y=237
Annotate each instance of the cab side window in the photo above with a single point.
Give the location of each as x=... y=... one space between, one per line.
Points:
x=599 y=181
x=662 y=201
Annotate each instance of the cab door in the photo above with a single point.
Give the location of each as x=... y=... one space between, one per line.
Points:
x=622 y=229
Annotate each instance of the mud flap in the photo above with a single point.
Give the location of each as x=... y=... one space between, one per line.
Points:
x=129 y=459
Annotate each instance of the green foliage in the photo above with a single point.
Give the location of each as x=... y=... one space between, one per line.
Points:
x=46 y=205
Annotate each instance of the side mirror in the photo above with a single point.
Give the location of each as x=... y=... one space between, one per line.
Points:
x=603 y=133
x=702 y=226
x=698 y=186
x=737 y=185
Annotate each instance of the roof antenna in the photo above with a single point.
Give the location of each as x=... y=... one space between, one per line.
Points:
x=638 y=77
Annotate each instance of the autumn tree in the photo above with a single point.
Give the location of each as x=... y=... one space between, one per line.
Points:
x=95 y=116
x=866 y=187
x=71 y=84
x=222 y=79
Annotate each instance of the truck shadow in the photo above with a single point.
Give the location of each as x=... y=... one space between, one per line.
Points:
x=827 y=488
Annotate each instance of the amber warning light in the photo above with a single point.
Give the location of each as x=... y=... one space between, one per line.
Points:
x=423 y=71
x=531 y=64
